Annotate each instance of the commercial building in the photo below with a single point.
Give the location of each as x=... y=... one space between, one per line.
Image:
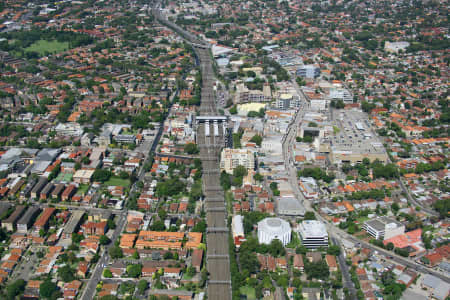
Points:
x=313 y=234
x=287 y=101
x=270 y=229
x=231 y=158
x=237 y=226
x=355 y=140
x=384 y=228
x=341 y=94
x=394 y=47
x=68 y=192
x=69 y=129
x=308 y=71
x=290 y=206
x=438 y=288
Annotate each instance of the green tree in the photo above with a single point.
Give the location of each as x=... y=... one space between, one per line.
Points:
x=66 y=273
x=334 y=250
x=257 y=139
x=101 y=175
x=317 y=270
x=191 y=148
x=142 y=286
x=310 y=215
x=390 y=246
x=115 y=252
x=107 y=273
x=276 y=248
x=135 y=255
x=104 y=240
x=15 y=288
x=258 y=177
x=47 y=288
x=240 y=171
x=134 y=270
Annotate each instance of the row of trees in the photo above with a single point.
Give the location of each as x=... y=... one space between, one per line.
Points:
x=317 y=174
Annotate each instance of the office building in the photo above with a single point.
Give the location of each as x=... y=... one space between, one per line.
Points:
x=308 y=71
x=383 y=228
x=313 y=234
x=270 y=229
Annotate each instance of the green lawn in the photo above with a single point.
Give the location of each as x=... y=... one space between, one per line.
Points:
x=43 y=46
x=229 y=201
x=118 y=182
x=82 y=189
x=249 y=291
x=295 y=241
x=361 y=220
x=67 y=177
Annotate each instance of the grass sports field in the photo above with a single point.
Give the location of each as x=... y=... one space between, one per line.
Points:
x=44 y=46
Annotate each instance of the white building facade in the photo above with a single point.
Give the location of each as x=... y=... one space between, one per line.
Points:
x=270 y=229
x=231 y=158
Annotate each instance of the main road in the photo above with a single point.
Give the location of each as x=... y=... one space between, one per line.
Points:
x=288 y=141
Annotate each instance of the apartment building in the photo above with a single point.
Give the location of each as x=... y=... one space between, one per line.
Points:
x=231 y=158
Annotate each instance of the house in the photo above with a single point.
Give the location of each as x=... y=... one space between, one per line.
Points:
x=331 y=262
x=314 y=256
x=197 y=259
x=93 y=228
x=159 y=240
x=298 y=262
x=82 y=269
x=118 y=268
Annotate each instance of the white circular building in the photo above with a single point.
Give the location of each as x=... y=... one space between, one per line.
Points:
x=274 y=228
